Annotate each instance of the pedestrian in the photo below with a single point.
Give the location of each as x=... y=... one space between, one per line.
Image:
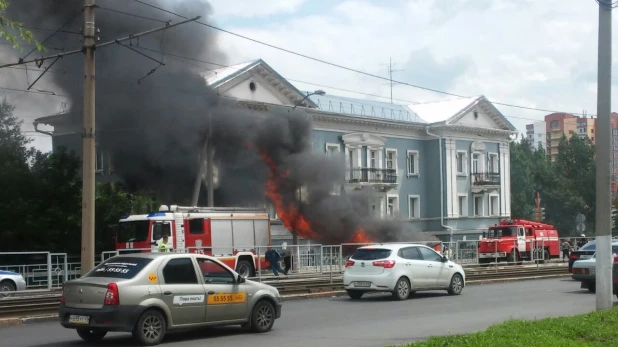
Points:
x=566 y=249
x=163 y=245
x=273 y=257
x=287 y=260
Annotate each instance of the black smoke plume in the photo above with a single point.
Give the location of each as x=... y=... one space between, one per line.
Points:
x=153 y=119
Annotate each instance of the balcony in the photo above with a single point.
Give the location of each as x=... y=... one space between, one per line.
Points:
x=485 y=181
x=381 y=179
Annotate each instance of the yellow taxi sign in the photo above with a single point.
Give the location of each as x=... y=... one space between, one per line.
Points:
x=153 y=278
x=218 y=299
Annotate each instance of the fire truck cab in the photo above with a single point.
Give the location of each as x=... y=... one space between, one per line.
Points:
x=231 y=234
x=518 y=239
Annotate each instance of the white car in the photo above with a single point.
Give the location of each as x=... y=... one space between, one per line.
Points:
x=401 y=269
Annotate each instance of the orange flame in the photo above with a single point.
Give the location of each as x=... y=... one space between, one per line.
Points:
x=292 y=219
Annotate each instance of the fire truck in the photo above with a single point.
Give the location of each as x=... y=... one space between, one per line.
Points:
x=231 y=234
x=518 y=239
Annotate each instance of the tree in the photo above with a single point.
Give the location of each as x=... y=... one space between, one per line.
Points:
x=12 y=139
x=24 y=34
x=522 y=179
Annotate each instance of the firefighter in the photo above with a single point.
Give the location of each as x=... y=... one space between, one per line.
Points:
x=163 y=245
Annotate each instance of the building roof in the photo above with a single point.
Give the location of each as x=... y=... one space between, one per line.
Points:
x=219 y=77
x=365 y=108
x=451 y=110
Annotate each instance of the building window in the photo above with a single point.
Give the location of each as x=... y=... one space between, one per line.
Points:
x=414 y=206
x=373 y=155
x=413 y=163
x=463 y=205
x=478 y=206
x=615 y=131
x=493 y=163
x=391 y=159
x=461 y=162
x=392 y=206
x=494 y=205
x=554 y=124
x=332 y=149
x=99 y=160
x=476 y=163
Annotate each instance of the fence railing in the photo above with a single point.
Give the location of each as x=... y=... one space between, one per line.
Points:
x=371 y=175
x=50 y=270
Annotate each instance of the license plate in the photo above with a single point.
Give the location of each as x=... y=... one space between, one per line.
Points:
x=362 y=284
x=585 y=256
x=84 y=320
x=218 y=299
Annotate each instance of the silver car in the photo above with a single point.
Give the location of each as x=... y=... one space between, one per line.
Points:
x=11 y=281
x=149 y=294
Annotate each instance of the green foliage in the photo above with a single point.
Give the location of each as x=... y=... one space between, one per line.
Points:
x=567 y=185
x=40 y=196
x=24 y=34
x=592 y=329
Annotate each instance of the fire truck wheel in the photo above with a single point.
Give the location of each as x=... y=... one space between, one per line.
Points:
x=513 y=257
x=402 y=289
x=244 y=269
x=457 y=285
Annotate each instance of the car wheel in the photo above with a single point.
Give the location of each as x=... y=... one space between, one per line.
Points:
x=402 y=289
x=150 y=328
x=456 y=285
x=355 y=294
x=592 y=287
x=244 y=269
x=262 y=317
x=6 y=287
x=91 y=335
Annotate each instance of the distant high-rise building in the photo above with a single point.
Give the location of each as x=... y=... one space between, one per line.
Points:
x=536 y=134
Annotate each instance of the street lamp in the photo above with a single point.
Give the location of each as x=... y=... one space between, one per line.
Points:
x=317 y=92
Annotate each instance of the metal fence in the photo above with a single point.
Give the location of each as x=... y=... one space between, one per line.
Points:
x=47 y=270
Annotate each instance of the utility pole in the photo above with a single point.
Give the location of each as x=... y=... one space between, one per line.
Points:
x=390 y=74
x=538 y=207
x=89 y=141
x=603 y=211
x=210 y=164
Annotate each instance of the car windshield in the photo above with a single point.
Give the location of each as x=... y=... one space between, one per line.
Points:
x=371 y=253
x=133 y=231
x=497 y=232
x=119 y=267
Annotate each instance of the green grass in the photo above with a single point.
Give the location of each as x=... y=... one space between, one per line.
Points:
x=593 y=329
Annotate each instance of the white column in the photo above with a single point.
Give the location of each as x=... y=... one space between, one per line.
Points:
x=503 y=174
x=449 y=184
x=507 y=174
x=380 y=157
x=358 y=156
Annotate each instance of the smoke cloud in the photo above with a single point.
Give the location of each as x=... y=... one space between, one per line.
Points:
x=153 y=119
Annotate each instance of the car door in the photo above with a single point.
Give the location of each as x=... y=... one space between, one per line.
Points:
x=415 y=268
x=438 y=272
x=183 y=292
x=226 y=298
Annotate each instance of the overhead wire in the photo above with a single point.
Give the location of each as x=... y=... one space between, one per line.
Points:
x=348 y=68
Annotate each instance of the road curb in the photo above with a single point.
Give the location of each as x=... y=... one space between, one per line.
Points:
x=12 y=322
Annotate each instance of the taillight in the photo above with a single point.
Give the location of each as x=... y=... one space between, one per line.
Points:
x=615 y=258
x=111 y=297
x=573 y=256
x=349 y=263
x=387 y=264
x=62 y=296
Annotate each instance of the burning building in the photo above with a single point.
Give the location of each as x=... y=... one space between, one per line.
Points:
x=390 y=171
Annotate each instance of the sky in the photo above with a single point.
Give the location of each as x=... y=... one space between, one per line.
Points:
x=531 y=53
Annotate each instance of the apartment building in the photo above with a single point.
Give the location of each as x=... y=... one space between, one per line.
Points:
x=536 y=133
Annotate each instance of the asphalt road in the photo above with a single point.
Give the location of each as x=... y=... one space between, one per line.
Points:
x=373 y=321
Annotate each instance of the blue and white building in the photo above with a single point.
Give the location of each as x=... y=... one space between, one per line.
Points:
x=441 y=166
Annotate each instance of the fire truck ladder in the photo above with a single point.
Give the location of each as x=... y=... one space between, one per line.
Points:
x=197 y=209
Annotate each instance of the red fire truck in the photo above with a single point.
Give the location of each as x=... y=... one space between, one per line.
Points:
x=231 y=234
x=519 y=239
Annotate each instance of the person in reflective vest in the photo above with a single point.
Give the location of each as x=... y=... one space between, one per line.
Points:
x=163 y=245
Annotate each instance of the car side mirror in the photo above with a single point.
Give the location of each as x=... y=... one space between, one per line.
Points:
x=444 y=259
x=241 y=279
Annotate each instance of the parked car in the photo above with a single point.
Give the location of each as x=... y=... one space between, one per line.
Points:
x=401 y=269
x=149 y=294
x=10 y=282
x=584 y=270
x=584 y=252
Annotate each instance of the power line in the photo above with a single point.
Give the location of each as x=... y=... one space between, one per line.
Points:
x=348 y=68
x=131 y=14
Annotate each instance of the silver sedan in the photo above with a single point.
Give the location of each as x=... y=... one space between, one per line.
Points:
x=11 y=282
x=149 y=294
